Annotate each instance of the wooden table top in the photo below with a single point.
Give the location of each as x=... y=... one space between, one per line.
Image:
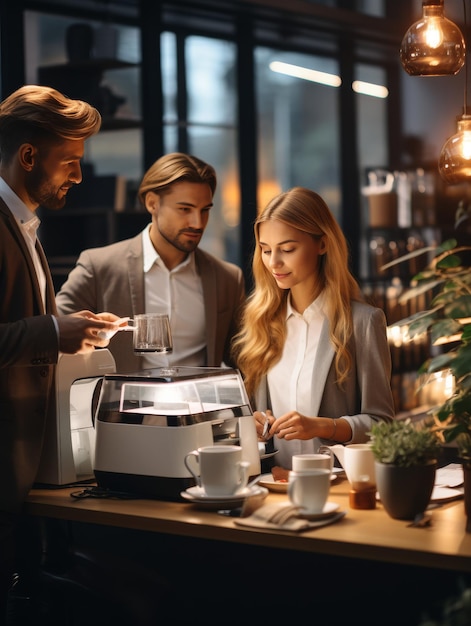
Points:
x=365 y=534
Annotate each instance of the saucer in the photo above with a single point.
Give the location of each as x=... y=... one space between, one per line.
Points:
x=329 y=509
x=198 y=493
x=197 y=496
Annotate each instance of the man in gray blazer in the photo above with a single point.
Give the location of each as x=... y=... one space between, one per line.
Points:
x=162 y=270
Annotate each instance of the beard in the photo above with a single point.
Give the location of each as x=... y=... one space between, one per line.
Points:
x=176 y=242
x=41 y=191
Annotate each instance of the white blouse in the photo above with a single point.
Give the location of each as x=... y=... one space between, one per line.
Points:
x=289 y=380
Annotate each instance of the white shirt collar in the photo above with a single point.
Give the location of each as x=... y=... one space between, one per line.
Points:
x=151 y=255
x=315 y=309
x=19 y=209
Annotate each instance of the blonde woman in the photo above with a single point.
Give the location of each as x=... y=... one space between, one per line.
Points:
x=314 y=356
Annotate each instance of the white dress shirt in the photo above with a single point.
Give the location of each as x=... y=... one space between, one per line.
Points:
x=29 y=223
x=179 y=293
x=289 y=380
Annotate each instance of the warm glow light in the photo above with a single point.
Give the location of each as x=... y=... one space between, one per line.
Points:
x=466 y=145
x=331 y=80
x=369 y=89
x=433 y=34
x=306 y=74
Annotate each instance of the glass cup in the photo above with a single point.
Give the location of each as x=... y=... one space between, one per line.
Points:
x=151 y=333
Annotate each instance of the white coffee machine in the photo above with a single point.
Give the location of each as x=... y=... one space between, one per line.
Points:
x=148 y=421
x=69 y=442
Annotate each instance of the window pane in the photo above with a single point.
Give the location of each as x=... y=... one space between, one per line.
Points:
x=211 y=128
x=168 y=51
x=211 y=80
x=371 y=118
x=117 y=149
x=218 y=147
x=298 y=125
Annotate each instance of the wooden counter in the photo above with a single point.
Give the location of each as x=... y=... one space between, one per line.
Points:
x=370 y=534
x=131 y=561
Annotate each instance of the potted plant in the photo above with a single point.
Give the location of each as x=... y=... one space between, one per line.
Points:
x=405 y=465
x=448 y=323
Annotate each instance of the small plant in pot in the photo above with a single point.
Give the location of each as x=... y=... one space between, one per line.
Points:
x=405 y=463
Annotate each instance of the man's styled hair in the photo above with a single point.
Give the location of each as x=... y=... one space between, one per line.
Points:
x=176 y=167
x=43 y=116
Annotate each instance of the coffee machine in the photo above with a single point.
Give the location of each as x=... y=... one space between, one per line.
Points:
x=146 y=422
x=69 y=440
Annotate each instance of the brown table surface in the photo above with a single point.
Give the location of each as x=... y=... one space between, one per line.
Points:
x=366 y=534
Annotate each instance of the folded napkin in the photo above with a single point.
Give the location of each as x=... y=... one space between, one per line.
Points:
x=285 y=516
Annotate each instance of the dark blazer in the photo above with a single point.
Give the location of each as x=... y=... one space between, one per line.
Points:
x=29 y=350
x=111 y=279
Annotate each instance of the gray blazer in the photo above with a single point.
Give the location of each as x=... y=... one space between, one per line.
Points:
x=366 y=396
x=111 y=279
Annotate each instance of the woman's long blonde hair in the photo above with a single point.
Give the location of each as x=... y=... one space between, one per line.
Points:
x=259 y=344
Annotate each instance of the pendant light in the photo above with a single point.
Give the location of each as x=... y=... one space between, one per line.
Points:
x=433 y=46
x=454 y=163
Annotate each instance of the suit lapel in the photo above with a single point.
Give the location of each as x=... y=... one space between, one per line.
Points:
x=50 y=293
x=18 y=235
x=324 y=357
x=135 y=262
x=208 y=281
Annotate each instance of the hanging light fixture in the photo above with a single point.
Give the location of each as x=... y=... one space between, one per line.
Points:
x=433 y=46
x=454 y=163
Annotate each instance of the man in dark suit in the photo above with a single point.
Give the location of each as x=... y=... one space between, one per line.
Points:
x=162 y=270
x=42 y=137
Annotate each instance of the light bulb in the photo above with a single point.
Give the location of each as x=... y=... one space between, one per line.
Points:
x=433 y=46
x=454 y=163
x=433 y=34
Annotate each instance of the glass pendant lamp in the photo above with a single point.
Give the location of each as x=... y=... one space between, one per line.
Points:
x=433 y=46
x=454 y=163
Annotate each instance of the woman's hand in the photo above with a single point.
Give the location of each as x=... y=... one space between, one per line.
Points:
x=293 y=425
x=263 y=422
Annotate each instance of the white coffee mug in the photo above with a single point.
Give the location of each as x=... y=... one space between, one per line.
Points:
x=220 y=469
x=309 y=489
x=303 y=462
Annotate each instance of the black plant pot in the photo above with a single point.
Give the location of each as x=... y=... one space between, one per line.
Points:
x=467 y=494
x=405 y=491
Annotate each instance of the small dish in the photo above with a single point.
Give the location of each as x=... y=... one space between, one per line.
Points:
x=196 y=495
x=329 y=509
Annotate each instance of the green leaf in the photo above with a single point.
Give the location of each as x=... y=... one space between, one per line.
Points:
x=409 y=255
x=420 y=325
x=461 y=365
x=460 y=307
x=420 y=289
x=449 y=261
x=444 y=328
x=446 y=245
x=440 y=362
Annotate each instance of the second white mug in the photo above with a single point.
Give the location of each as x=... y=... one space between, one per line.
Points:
x=309 y=489
x=322 y=460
